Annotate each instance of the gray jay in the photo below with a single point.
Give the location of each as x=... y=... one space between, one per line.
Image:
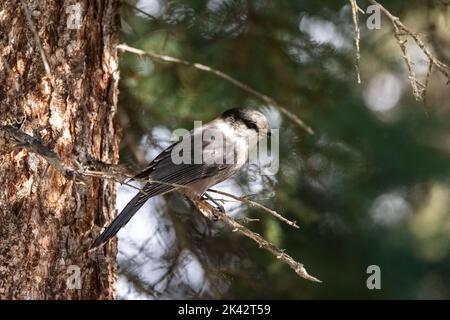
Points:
x=209 y=155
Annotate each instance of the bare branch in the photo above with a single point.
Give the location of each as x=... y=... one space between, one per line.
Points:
x=138 y=10
x=33 y=30
x=400 y=30
x=222 y=75
x=209 y=211
x=110 y=171
x=256 y=204
x=355 y=10
x=427 y=80
x=412 y=76
x=34 y=145
x=118 y=174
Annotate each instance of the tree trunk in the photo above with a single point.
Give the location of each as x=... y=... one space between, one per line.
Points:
x=48 y=221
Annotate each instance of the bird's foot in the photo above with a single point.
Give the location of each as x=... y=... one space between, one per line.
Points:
x=219 y=207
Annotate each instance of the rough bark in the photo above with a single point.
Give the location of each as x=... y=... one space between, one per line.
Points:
x=48 y=221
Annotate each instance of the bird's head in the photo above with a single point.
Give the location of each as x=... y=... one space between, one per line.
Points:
x=247 y=121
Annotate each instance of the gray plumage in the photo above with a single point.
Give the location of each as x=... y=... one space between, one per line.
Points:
x=235 y=132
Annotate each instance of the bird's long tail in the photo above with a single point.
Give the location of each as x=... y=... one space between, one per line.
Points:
x=128 y=212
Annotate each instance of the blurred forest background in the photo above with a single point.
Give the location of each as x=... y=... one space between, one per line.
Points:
x=371 y=187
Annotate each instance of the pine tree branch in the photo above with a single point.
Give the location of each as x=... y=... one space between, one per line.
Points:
x=222 y=75
x=119 y=174
x=256 y=204
x=209 y=211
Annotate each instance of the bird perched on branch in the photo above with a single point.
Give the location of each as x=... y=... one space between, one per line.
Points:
x=203 y=157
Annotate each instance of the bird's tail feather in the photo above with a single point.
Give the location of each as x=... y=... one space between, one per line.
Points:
x=150 y=190
x=127 y=213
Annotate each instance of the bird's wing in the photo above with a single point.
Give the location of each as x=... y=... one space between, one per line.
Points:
x=163 y=170
x=152 y=165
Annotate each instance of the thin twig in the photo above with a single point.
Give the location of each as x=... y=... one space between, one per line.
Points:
x=412 y=75
x=399 y=30
x=256 y=204
x=247 y=219
x=138 y=10
x=33 y=30
x=427 y=80
x=355 y=10
x=208 y=210
x=222 y=75
x=120 y=176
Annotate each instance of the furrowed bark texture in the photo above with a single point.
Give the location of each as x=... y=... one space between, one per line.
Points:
x=48 y=221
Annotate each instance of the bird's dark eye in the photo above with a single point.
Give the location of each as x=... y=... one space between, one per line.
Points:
x=251 y=125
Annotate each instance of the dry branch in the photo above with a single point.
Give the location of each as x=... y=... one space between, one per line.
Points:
x=222 y=75
x=209 y=211
x=256 y=204
x=35 y=145
x=419 y=89
x=118 y=174
x=355 y=10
